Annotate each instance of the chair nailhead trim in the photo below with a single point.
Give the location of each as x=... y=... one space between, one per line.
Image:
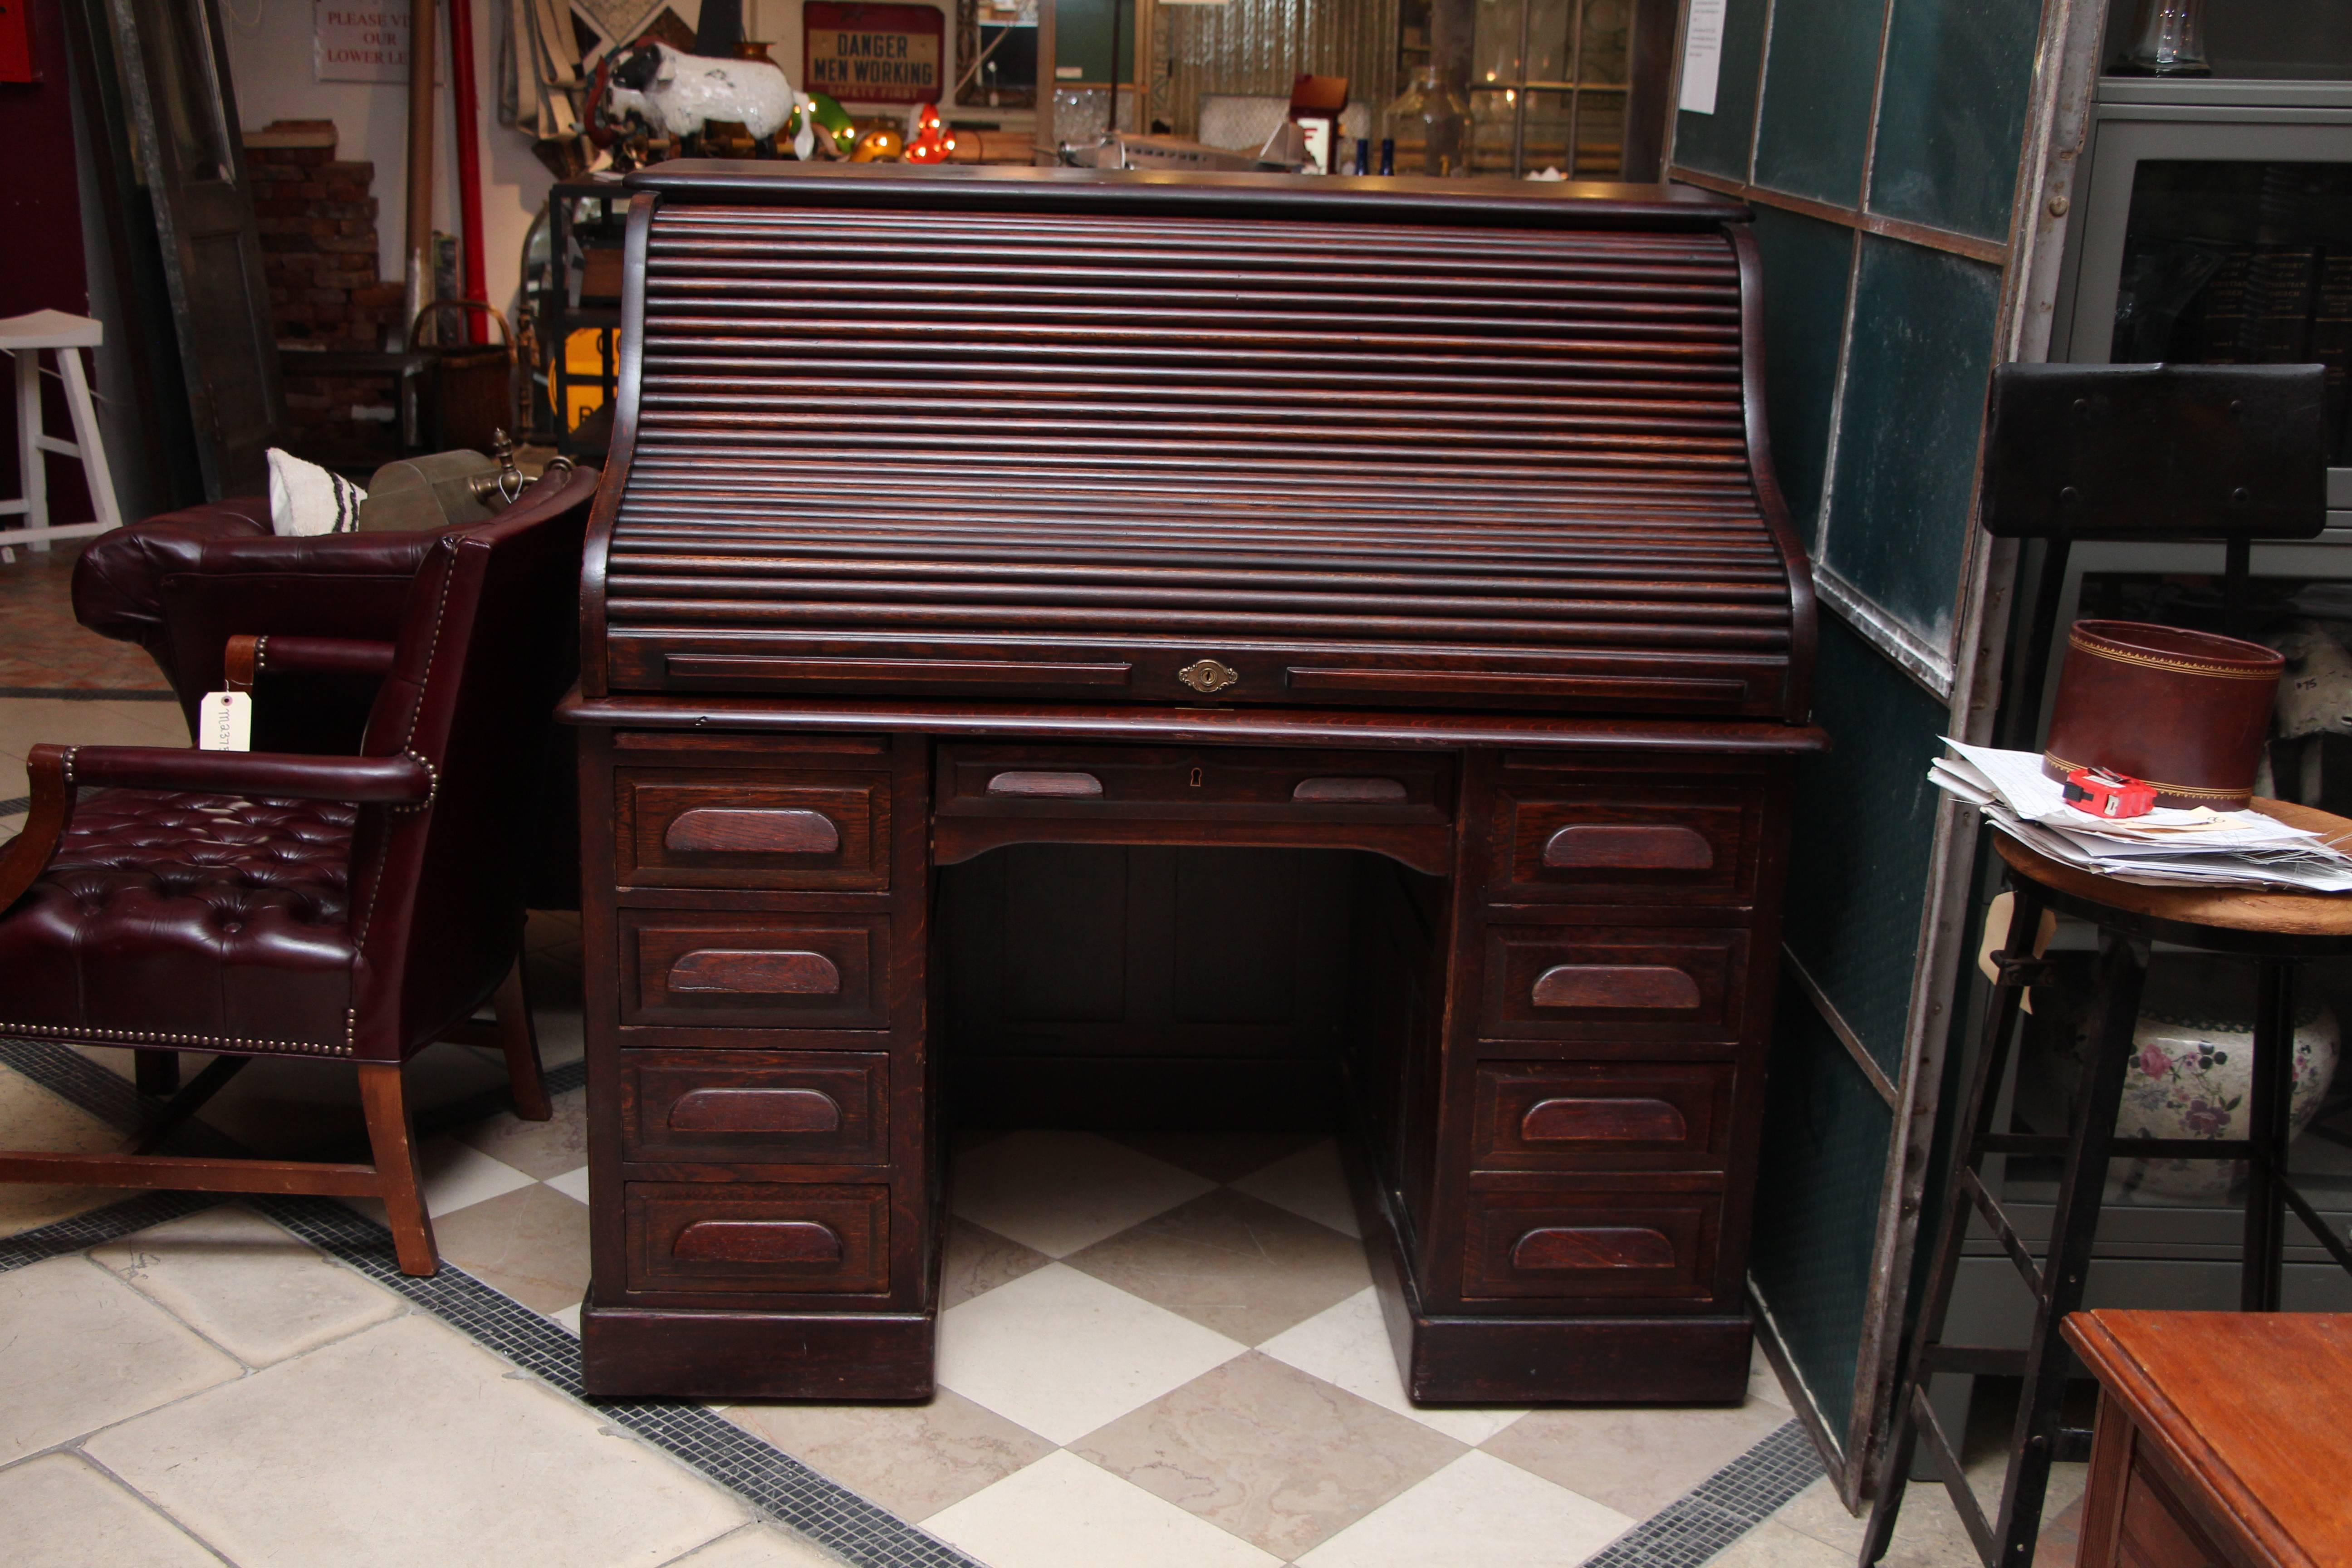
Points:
x=148 y=1037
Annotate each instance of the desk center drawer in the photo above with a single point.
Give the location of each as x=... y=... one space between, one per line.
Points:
x=784 y=970
x=1196 y=783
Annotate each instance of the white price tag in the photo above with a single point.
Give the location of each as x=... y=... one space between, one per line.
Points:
x=224 y=721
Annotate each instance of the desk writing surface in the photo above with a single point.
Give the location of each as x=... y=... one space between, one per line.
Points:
x=2256 y=1406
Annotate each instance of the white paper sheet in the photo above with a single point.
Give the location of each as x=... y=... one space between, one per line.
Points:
x=1703 y=55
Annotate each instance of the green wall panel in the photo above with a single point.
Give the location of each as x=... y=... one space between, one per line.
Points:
x=1807 y=267
x=1815 y=130
x=1826 y=1134
x=1864 y=827
x=1915 y=393
x=1947 y=143
x=1082 y=37
x=1718 y=143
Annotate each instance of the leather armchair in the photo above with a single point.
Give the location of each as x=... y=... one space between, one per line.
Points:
x=350 y=909
x=182 y=583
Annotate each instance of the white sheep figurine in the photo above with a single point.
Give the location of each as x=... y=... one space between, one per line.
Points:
x=681 y=93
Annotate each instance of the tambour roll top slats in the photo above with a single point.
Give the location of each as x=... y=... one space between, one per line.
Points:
x=1168 y=449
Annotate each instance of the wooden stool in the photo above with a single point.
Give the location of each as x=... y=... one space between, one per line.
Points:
x=66 y=336
x=2276 y=931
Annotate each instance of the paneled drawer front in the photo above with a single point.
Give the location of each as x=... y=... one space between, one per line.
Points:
x=794 y=1106
x=1211 y=782
x=1601 y=1116
x=1569 y=1244
x=1631 y=838
x=757 y=829
x=740 y=1235
x=814 y=972
x=1585 y=982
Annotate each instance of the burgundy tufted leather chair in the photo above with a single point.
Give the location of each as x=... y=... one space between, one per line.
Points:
x=353 y=907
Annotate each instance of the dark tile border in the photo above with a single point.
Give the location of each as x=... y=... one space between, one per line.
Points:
x=11 y=807
x=1685 y=1533
x=1721 y=1508
x=90 y=693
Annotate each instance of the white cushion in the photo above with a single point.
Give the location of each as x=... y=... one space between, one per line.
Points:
x=307 y=499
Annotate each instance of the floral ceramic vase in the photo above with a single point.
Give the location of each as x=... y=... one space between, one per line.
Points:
x=2192 y=1073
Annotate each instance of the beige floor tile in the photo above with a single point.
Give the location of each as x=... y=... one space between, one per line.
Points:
x=1763 y=1383
x=530 y=1244
x=1058 y=1191
x=1062 y=1512
x=62 y=1514
x=759 y=1546
x=34 y=1119
x=1928 y=1532
x=572 y=1185
x=1060 y=1352
x=562 y=1037
x=1233 y=1263
x=28 y=721
x=248 y=1286
x=456 y=1177
x=82 y=1350
x=977 y=1260
x=1636 y=1461
x=913 y=1460
x=13 y=822
x=1774 y=1546
x=1267 y=1452
x=1476 y=1513
x=539 y=1149
x=1349 y=1345
x=1219 y=1156
x=1309 y=1183
x=411 y=1444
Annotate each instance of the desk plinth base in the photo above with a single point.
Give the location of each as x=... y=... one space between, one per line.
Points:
x=645 y=1352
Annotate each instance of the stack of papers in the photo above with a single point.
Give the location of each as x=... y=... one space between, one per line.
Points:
x=2166 y=848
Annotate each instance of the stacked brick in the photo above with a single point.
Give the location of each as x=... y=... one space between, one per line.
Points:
x=316 y=216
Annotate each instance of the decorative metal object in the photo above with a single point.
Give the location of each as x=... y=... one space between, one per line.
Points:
x=1208 y=675
x=2168 y=40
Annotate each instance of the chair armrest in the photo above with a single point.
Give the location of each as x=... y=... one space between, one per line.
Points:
x=23 y=857
x=281 y=775
x=246 y=657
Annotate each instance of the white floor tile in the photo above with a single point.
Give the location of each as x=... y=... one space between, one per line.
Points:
x=80 y=1350
x=1771 y=1545
x=408 y=1443
x=1062 y=1512
x=247 y=1285
x=572 y=1184
x=570 y=1318
x=1312 y=1185
x=1476 y=1513
x=62 y=1514
x=759 y=1546
x=1349 y=1345
x=1061 y=1352
x=1058 y=1191
x=1763 y=1383
x=456 y=1176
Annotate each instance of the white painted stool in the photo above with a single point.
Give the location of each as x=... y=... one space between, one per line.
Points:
x=25 y=337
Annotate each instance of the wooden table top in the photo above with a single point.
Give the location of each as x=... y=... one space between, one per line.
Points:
x=2228 y=909
x=2256 y=1406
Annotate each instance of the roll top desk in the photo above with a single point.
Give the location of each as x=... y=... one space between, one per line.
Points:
x=979 y=545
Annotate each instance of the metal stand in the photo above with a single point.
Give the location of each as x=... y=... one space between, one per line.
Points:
x=2056 y=1282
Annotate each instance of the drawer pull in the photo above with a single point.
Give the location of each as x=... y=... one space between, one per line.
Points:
x=757 y=1241
x=744 y=830
x=755 y=974
x=1655 y=986
x=1356 y=791
x=755 y=1110
x=1599 y=1246
x=1603 y=1120
x=1596 y=845
x=1042 y=785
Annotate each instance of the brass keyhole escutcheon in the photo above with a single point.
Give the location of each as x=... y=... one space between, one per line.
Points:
x=1196 y=778
x=1208 y=675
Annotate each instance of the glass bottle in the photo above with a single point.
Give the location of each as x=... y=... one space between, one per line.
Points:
x=1431 y=126
x=2168 y=40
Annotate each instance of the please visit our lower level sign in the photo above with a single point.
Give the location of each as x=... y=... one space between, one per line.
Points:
x=875 y=54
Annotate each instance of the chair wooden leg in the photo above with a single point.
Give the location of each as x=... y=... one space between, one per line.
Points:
x=519 y=1037
x=157 y=1072
x=392 y=1139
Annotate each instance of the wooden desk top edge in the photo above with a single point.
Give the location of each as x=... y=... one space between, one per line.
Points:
x=1193 y=726
x=2104 y=1340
